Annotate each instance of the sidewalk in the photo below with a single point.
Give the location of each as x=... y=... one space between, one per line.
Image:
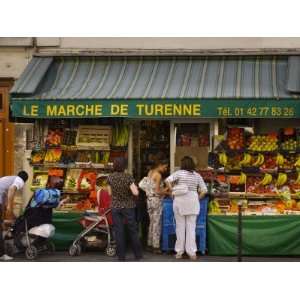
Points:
x=149 y=257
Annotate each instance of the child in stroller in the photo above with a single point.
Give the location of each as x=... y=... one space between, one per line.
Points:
x=97 y=226
x=32 y=231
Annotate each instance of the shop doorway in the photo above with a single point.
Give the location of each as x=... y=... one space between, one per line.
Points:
x=151 y=143
x=192 y=138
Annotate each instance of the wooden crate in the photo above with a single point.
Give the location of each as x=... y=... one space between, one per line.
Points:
x=94 y=136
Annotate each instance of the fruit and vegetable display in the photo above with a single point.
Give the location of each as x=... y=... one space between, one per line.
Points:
x=54 y=137
x=262 y=169
x=71 y=180
x=237 y=183
x=39 y=180
x=270 y=162
x=71 y=159
x=37 y=157
x=289 y=139
x=120 y=135
x=263 y=143
x=53 y=155
x=235 y=139
x=253 y=207
x=219 y=185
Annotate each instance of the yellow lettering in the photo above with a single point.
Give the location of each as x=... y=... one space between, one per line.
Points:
x=168 y=109
x=177 y=109
x=115 y=109
x=159 y=109
x=98 y=110
x=140 y=109
x=89 y=110
x=25 y=113
x=80 y=110
x=187 y=110
x=70 y=110
x=197 y=110
x=124 y=110
x=61 y=111
x=51 y=110
x=149 y=110
x=34 y=110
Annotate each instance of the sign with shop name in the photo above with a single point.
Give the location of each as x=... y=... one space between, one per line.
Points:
x=179 y=108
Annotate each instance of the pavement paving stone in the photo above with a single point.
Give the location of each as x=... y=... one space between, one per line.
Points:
x=149 y=257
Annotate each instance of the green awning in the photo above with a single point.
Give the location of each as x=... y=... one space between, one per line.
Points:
x=154 y=87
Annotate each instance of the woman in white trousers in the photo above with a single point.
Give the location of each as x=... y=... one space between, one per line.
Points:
x=187 y=187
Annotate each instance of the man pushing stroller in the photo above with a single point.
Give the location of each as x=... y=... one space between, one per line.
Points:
x=9 y=185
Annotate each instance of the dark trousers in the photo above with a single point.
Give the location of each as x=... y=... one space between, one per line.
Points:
x=143 y=217
x=120 y=215
x=2 y=247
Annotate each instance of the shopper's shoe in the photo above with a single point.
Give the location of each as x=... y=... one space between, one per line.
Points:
x=156 y=251
x=193 y=257
x=6 y=257
x=178 y=256
x=139 y=258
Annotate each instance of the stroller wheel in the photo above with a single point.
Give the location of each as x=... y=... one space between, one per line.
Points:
x=31 y=252
x=75 y=250
x=10 y=249
x=111 y=251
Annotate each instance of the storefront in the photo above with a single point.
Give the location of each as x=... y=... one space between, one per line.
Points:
x=88 y=110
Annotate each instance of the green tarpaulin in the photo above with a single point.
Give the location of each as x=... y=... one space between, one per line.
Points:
x=67 y=228
x=262 y=235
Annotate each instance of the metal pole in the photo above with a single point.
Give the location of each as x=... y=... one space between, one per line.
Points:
x=239 y=233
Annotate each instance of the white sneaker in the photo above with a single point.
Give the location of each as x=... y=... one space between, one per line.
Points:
x=178 y=256
x=6 y=257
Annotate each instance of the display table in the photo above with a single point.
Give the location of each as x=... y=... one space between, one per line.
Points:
x=67 y=228
x=169 y=226
x=262 y=235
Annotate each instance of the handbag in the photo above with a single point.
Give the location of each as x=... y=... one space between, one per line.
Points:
x=145 y=184
x=180 y=190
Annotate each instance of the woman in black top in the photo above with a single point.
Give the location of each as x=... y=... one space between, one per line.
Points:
x=122 y=188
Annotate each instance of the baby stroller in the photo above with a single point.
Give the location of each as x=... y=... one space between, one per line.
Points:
x=97 y=231
x=31 y=232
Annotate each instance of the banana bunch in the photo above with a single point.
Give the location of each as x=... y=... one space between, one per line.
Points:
x=259 y=161
x=246 y=160
x=282 y=179
x=297 y=163
x=223 y=159
x=279 y=159
x=214 y=207
x=267 y=179
x=242 y=179
x=298 y=179
x=120 y=135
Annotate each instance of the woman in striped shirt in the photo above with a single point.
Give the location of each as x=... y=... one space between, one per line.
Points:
x=190 y=187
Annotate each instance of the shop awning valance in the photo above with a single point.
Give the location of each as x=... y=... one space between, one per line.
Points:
x=178 y=80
